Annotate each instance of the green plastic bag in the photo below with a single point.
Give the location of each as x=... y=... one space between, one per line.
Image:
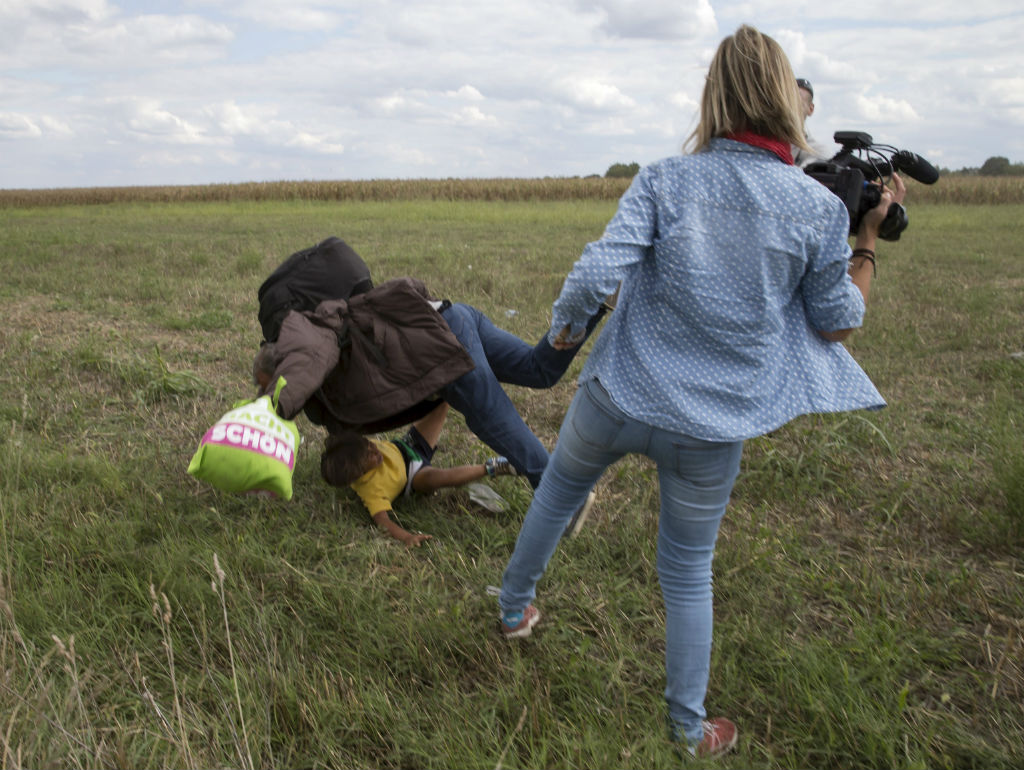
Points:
x=250 y=449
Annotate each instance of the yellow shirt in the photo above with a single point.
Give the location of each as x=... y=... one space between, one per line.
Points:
x=379 y=486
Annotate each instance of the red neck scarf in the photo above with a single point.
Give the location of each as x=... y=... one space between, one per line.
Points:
x=771 y=144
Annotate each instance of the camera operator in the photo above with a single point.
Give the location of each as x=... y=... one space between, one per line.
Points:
x=802 y=157
x=737 y=286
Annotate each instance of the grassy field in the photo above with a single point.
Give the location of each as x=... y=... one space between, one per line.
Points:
x=869 y=579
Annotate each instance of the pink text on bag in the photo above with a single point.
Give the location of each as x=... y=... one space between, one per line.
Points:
x=247 y=437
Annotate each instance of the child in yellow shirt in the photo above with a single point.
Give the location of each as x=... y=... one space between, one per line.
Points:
x=382 y=471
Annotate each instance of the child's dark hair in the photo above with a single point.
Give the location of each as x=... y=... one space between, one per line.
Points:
x=265 y=362
x=342 y=460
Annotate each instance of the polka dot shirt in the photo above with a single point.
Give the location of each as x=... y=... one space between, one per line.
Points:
x=729 y=261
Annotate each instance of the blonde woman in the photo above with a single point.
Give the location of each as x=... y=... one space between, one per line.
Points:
x=738 y=286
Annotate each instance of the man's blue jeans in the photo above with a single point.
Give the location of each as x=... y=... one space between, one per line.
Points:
x=696 y=479
x=501 y=357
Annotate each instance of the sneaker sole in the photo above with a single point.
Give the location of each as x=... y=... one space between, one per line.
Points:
x=578 y=520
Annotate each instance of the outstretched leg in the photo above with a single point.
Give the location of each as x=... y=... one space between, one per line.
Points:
x=489 y=412
x=515 y=361
x=429 y=479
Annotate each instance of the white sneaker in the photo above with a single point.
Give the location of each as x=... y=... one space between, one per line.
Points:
x=580 y=517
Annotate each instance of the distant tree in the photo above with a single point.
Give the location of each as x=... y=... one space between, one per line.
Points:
x=622 y=170
x=995 y=166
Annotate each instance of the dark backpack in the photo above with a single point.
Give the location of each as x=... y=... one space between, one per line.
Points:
x=329 y=270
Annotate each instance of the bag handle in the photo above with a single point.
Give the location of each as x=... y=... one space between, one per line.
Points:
x=278 y=387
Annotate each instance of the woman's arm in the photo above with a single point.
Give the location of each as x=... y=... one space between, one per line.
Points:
x=862 y=269
x=600 y=270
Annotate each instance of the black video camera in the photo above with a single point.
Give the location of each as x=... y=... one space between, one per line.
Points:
x=851 y=174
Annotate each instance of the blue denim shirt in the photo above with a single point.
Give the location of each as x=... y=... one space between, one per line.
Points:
x=730 y=260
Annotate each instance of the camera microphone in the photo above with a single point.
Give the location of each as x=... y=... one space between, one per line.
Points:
x=915 y=167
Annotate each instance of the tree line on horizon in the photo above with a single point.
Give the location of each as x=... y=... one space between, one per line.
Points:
x=997 y=165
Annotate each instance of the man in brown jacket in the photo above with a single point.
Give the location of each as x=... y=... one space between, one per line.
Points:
x=383 y=359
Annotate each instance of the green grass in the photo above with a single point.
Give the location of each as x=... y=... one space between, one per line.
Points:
x=868 y=582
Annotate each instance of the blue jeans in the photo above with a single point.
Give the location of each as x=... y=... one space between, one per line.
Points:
x=501 y=357
x=696 y=479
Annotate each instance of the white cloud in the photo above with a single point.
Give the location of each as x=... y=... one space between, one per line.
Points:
x=163 y=158
x=306 y=141
x=473 y=116
x=295 y=16
x=53 y=11
x=406 y=105
x=56 y=128
x=654 y=19
x=146 y=40
x=97 y=36
x=150 y=121
x=234 y=120
x=884 y=110
x=683 y=101
x=609 y=127
x=447 y=107
x=18 y=126
x=467 y=92
x=260 y=122
x=401 y=155
x=815 y=62
x=594 y=93
x=13 y=126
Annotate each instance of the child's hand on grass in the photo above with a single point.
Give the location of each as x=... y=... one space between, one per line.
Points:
x=414 y=541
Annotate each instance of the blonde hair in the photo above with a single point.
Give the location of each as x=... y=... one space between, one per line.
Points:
x=749 y=87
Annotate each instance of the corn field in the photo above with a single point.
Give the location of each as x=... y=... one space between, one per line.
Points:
x=963 y=189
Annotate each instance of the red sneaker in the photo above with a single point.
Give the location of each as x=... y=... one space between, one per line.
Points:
x=719 y=737
x=522 y=628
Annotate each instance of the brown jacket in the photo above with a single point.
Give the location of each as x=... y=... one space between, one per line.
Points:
x=371 y=363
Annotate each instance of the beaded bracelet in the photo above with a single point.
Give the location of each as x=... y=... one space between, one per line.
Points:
x=869 y=255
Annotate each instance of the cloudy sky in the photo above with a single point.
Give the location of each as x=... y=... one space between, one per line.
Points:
x=97 y=93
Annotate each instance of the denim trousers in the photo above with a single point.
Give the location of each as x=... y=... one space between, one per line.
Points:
x=695 y=479
x=502 y=357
